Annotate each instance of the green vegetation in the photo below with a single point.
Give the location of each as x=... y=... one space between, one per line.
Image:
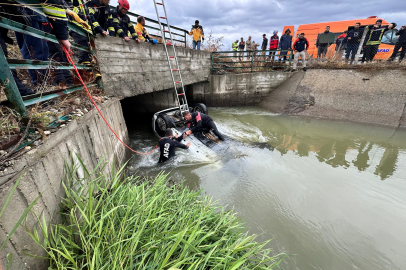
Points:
x=111 y=223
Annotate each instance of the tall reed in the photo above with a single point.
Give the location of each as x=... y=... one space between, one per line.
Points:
x=116 y=223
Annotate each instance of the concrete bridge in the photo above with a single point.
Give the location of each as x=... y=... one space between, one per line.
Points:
x=140 y=74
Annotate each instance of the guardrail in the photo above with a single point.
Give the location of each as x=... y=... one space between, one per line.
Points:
x=269 y=60
x=152 y=24
x=6 y=76
x=6 y=65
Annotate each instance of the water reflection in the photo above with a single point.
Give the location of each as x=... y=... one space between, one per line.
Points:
x=332 y=143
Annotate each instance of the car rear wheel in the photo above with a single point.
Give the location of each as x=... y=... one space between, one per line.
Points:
x=162 y=123
x=200 y=107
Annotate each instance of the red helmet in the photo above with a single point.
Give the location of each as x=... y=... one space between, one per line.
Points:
x=124 y=4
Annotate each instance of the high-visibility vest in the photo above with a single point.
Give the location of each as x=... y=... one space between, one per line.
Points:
x=235 y=46
x=375 y=42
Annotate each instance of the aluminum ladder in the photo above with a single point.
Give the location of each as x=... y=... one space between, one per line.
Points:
x=178 y=85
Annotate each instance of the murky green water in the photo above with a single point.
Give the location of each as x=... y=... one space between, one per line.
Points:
x=332 y=193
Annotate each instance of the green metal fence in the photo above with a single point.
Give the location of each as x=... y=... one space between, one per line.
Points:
x=153 y=25
x=256 y=61
x=7 y=79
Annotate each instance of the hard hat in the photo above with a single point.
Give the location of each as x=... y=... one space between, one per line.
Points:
x=124 y=4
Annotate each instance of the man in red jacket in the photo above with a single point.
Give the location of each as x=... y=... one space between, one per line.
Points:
x=300 y=47
x=273 y=44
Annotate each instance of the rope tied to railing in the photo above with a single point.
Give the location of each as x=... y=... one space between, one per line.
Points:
x=95 y=105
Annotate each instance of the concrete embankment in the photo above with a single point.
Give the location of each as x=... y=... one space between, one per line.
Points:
x=349 y=95
x=89 y=138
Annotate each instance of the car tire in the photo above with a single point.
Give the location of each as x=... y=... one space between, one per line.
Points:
x=162 y=123
x=200 y=107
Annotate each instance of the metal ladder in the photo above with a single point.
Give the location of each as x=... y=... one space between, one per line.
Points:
x=178 y=85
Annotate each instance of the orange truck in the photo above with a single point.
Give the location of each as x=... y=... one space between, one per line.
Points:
x=313 y=30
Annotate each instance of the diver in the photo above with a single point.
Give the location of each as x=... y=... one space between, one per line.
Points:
x=198 y=121
x=168 y=144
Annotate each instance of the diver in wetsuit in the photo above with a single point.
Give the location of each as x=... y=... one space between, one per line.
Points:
x=198 y=121
x=168 y=144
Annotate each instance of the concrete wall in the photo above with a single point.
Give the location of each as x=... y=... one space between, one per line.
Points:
x=130 y=69
x=369 y=97
x=88 y=137
x=236 y=89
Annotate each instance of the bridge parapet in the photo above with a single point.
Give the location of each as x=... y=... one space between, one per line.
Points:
x=129 y=69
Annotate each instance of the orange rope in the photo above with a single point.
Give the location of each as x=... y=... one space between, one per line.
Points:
x=94 y=103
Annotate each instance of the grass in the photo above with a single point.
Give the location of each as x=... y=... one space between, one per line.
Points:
x=116 y=223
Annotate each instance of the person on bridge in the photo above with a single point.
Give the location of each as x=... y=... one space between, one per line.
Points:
x=273 y=44
x=235 y=46
x=142 y=32
x=241 y=48
x=198 y=121
x=168 y=144
x=353 y=40
x=373 y=39
x=324 y=41
x=123 y=27
x=198 y=35
x=400 y=44
x=264 y=44
x=300 y=47
x=285 y=43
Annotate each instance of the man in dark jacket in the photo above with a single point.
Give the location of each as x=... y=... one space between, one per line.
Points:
x=200 y=122
x=121 y=22
x=168 y=144
x=400 y=44
x=300 y=47
x=285 y=43
x=373 y=40
x=324 y=41
x=353 y=40
x=264 y=44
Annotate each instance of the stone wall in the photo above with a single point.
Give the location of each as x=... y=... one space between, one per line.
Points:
x=236 y=89
x=370 y=97
x=88 y=137
x=130 y=69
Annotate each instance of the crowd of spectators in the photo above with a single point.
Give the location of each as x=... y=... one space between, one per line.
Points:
x=93 y=16
x=347 y=45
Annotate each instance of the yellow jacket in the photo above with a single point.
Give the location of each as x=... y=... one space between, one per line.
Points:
x=197 y=33
x=140 y=30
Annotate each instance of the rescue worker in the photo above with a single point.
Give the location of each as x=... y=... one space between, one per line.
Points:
x=142 y=32
x=400 y=44
x=168 y=144
x=353 y=40
x=235 y=46
x=198 y=35
x=198 y=121
x=373 y=40
x=98 y=14
x=300 y=47
x=123 y=27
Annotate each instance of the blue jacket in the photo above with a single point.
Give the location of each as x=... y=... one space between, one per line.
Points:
x=301 y=44
x=285 y=42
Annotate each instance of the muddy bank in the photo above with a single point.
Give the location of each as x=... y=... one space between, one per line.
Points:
x=367 y=97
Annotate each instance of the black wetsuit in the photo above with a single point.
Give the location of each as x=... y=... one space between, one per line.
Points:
x=167 y=148
x=202 y=122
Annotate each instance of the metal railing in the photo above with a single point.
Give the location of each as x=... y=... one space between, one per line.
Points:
x=152 y=24
x=257 y=61
x=6 y=77
x=7 y=64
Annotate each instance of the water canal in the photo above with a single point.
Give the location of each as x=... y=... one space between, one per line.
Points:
x=329 y=193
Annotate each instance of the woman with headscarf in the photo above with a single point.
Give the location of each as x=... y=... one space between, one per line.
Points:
x=273 y=44
x=285 y=43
